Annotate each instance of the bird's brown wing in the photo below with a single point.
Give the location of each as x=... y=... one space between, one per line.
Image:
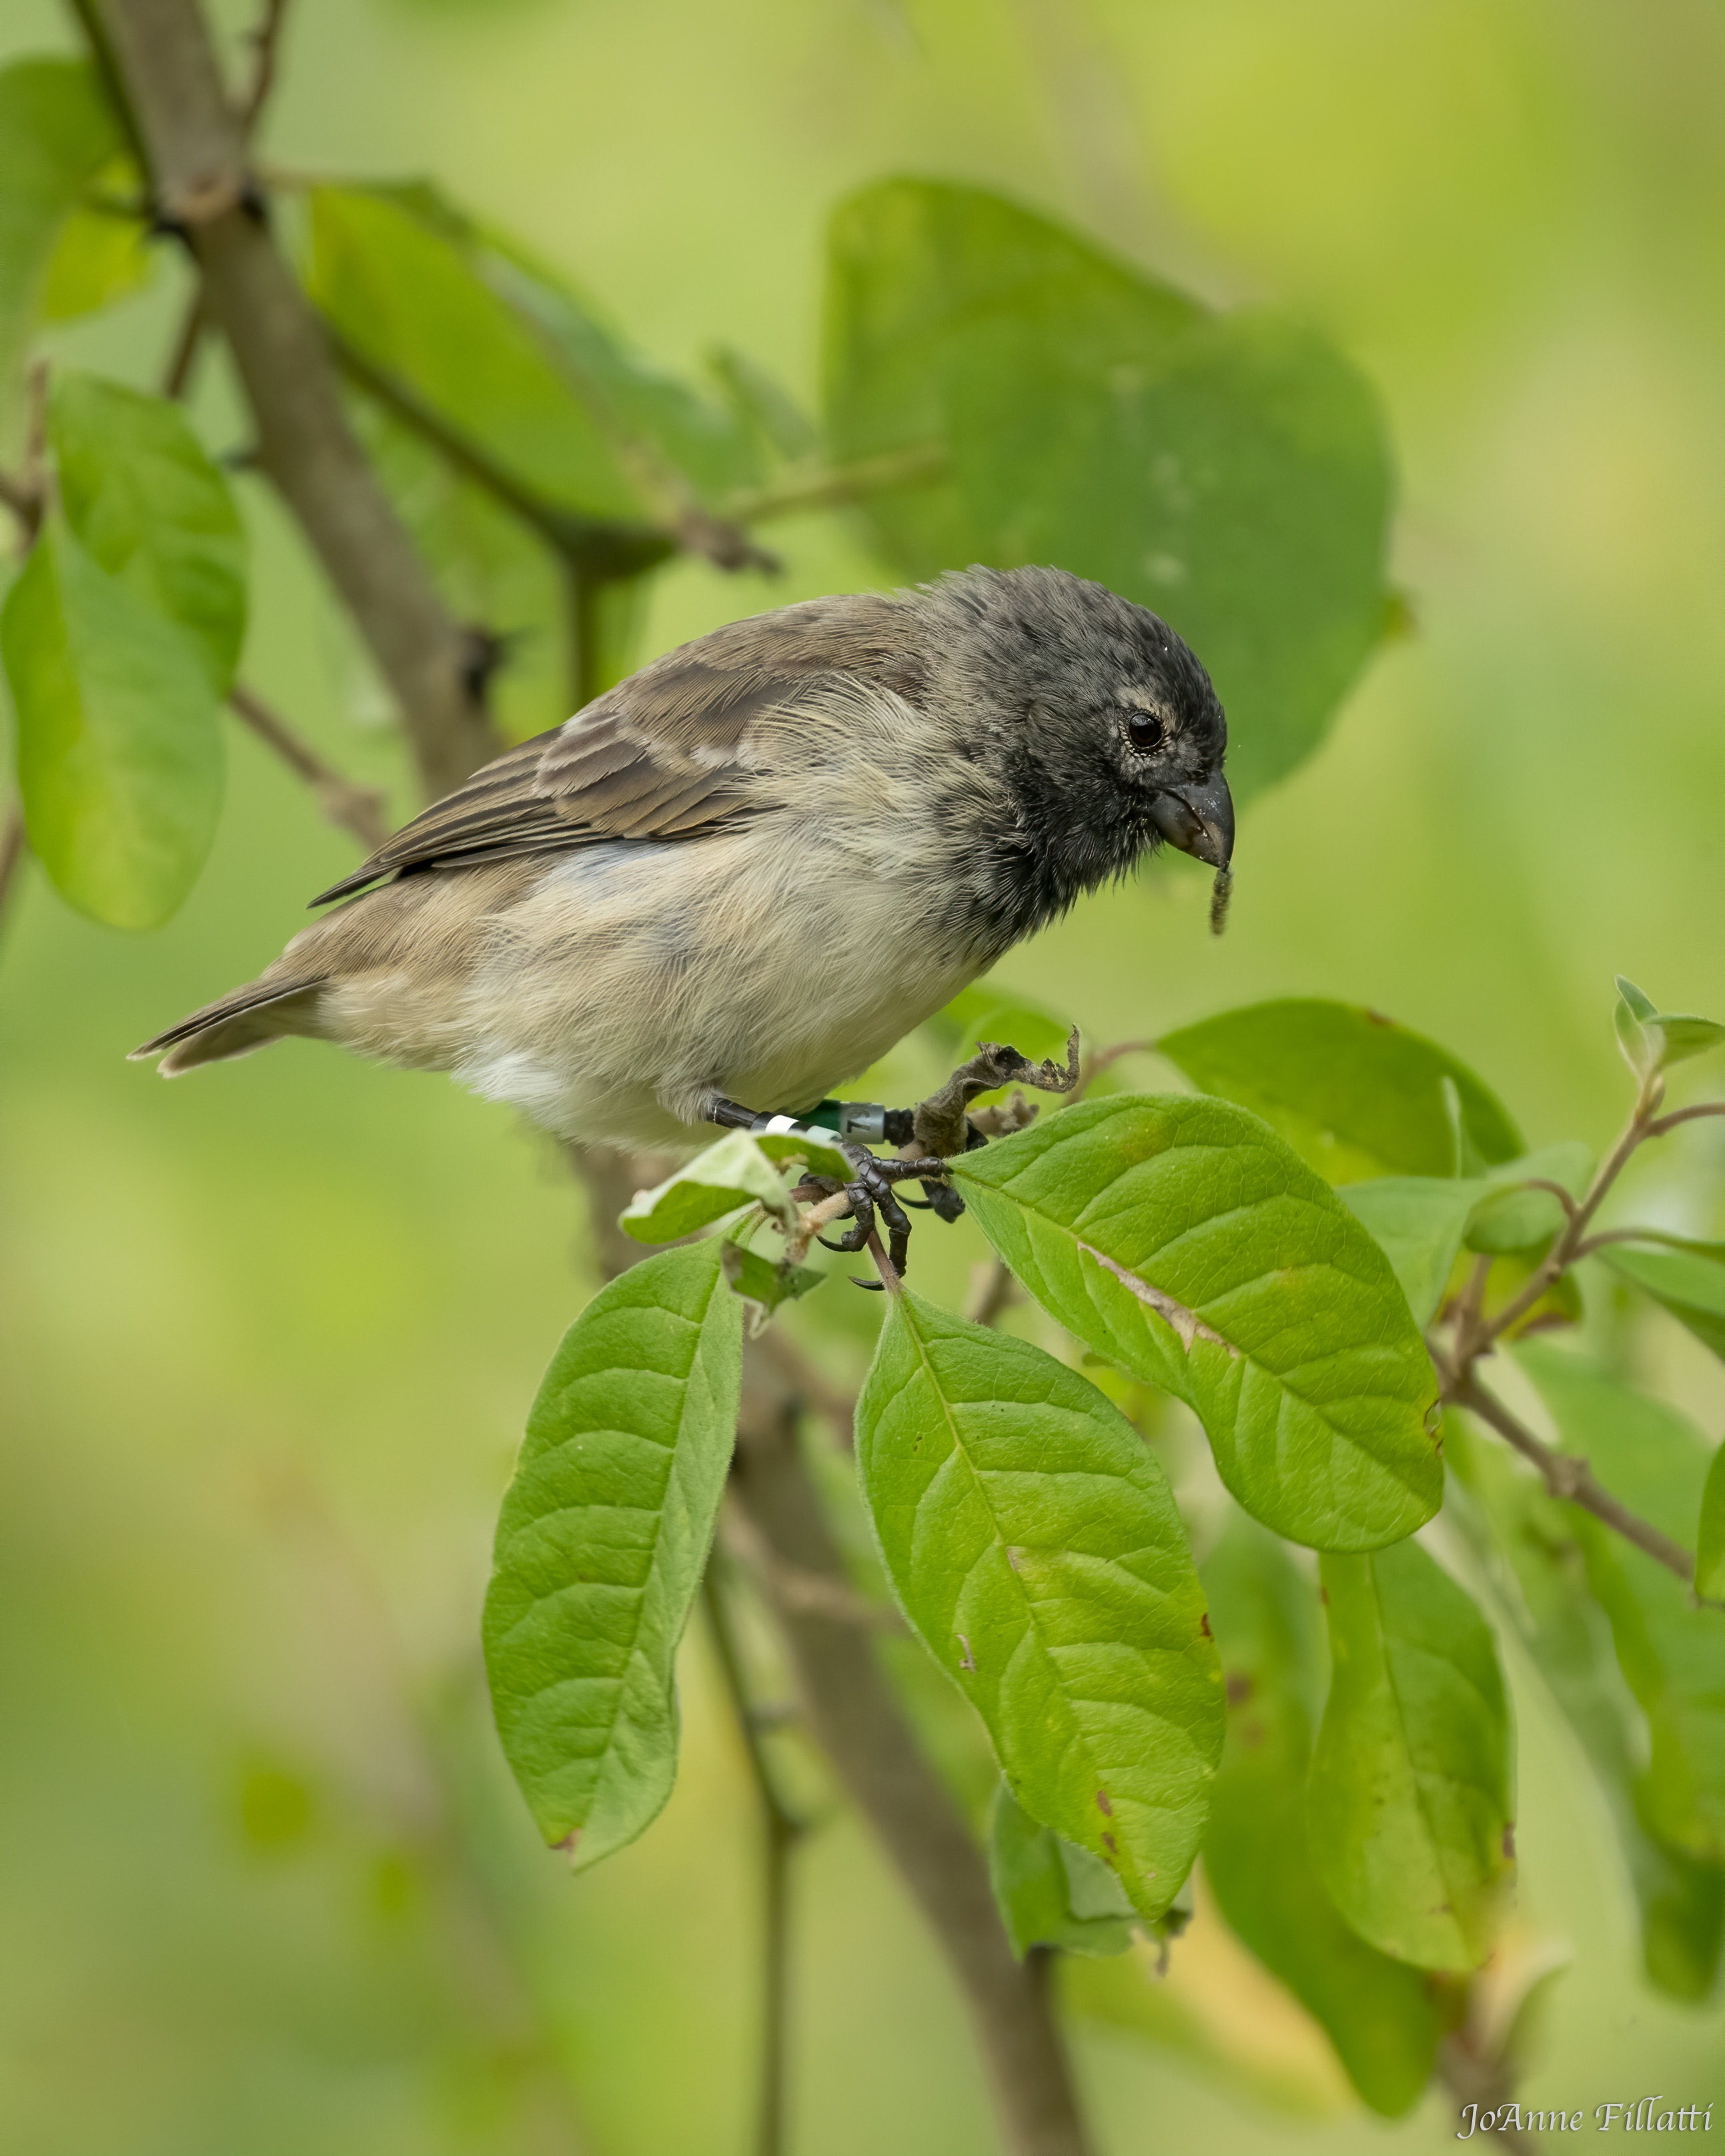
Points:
x=664 y=755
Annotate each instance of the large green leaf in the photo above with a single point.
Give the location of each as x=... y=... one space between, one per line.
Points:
x=1525 y=1540
x=1355 y=1094
x=601 y=1543
x=55 y=132
x=1034 y=1546
x=148 y=504
x=1672 y=1652
x=1378 y=2012
x=119 y=740
x=1689 y=1280
x=1230 y=471
x=403 y=294
x=537 y=380
x=1409 y=1809
x=1183 y=1240
x=1050 y=1892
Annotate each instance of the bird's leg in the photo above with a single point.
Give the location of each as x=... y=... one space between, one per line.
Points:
x=871 y=1189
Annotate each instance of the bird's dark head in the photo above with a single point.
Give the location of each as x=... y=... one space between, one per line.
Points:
x=1101 y=723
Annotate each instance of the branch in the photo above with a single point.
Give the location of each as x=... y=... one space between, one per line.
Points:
x=358 y=810
x=783 y=1830
x=203 y=189
x=1566 y=1476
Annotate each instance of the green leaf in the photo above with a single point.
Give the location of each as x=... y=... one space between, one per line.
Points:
x=1230 y=471
x=735 y=1173
x=759 y=1282
x=601 y=1543
x=403 y=296
x=1417 y=1222
x=1525 y=1543
x=1510 y=1217
x=118 y=741
x=566 y=405
x=1652 y=1040
x=1378 y=2012
x=1410 y=1806
x=1182 y=1239
x=1050 y=1892
x=1688 y=1280
x=101 y=255
x=151 y=508
x=1034 y=1544
x=640 y=406
x=55 y=133
x=763 y=406
x=1710 y=1533
x=1671 y=1652
x=1354 y=1094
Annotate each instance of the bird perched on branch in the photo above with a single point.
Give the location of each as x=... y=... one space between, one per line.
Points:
x=741 y=876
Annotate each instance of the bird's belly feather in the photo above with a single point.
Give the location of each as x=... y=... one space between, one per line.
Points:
x=631 y=983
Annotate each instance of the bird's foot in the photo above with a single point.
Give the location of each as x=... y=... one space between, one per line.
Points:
x=870 y=1192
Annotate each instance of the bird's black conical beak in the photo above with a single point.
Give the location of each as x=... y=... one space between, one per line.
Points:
x=1198 y=819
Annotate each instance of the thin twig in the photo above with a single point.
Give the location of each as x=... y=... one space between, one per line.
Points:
x=266 y=45
x=1567 y=1475
x=351 y=807
x=1554 y=1189
x=189 y=342
x=1657 y=1129
x=782 y=1830
x=993 y=1291
x=1563 y=1252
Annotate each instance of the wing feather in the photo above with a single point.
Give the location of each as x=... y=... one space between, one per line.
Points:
x=664 y=755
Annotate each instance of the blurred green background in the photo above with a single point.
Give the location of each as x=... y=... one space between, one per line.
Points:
x=270 y=1336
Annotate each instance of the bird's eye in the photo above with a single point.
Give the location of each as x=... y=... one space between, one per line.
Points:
x=1144 y=730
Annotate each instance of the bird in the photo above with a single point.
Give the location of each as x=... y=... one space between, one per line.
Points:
x=735 y=880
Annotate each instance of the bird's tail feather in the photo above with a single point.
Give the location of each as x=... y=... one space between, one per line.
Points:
x=248 y=1018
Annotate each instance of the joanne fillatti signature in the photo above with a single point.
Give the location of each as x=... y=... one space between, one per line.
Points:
x=1643 y=2116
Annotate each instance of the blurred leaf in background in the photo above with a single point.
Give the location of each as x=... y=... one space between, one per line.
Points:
x=1229 y=471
